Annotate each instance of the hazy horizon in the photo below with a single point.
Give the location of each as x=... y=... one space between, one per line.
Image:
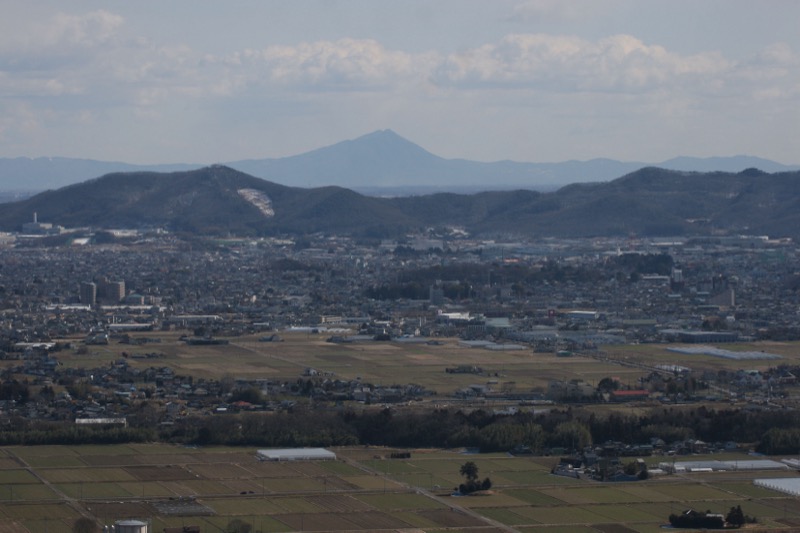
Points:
x=223 y=162
x=520 y=80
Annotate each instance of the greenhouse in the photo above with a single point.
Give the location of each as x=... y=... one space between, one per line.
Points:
x=296 y=454
x=789 y=486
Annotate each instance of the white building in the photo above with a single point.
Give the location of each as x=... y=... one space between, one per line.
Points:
x=296 y=454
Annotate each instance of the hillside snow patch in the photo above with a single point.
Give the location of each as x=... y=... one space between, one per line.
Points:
x=258 y=199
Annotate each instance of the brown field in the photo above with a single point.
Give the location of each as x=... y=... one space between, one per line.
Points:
x=396 y=363
x=380 y=363
x=309 y=496
x=159 y=473
x=46 y=488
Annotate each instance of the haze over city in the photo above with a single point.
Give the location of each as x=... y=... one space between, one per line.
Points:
x=540 y=80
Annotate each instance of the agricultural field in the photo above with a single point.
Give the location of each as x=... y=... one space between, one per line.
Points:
x=47 y=488
x=401 y=363
x=377 y=363
x=362 y=490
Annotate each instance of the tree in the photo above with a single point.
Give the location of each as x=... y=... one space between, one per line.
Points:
x=250 y=395
x=608 y=385
x=572 y=435
x=735 y=516
x=696 y=520
x=469 y=470
x=84 y=525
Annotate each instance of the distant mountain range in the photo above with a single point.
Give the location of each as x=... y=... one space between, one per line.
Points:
x=381 y=163
x=219 y=200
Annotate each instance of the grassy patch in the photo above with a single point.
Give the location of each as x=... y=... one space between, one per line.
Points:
x=34 y=512
x=533 y=497
x=297 y=505
x=340 y=467
x=396 y=502
x=48 y=461
x=505 y=516
x=393 y=466
x=691 y=492
x=243 y=506
x=562 y=515
x=51 y=526
x=30 y=493
x=747 y=490
x=16 y=477
x=84 y=491
x=146 y=489
x=495 y=499
x=414 y=519
x=86 y=475
x=372 y=482
x=606 y=495
x=624 y=513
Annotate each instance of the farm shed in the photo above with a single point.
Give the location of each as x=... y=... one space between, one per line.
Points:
x=296 y=454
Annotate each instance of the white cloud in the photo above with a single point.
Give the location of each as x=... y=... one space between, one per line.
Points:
x=89 y=29
x=92 y=71
x=767 y=67
x=346 y=63
x=18 y=122
x=567 y=63
x=43 y=44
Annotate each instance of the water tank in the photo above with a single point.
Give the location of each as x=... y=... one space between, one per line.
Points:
x=130 y=526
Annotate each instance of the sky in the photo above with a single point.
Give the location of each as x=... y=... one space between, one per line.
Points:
x=199 y=81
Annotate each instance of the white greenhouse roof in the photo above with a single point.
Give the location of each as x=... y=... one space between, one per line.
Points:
x=789 y=485
x=295 y=454
x=717 y=466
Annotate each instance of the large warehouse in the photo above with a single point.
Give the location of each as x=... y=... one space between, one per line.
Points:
x=296 y=454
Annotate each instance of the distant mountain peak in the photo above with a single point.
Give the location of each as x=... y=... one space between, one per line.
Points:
x=381 y=158
x=385 y=138
x=382 y=134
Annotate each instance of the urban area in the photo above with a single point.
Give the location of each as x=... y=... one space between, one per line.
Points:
x=566 y=299
x=569 y=297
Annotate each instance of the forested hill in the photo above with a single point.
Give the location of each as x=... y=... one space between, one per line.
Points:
x=218 y=200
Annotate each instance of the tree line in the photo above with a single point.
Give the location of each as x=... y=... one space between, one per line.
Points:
x=771 y=432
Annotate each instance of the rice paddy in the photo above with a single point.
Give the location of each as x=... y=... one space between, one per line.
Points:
x=363 y=490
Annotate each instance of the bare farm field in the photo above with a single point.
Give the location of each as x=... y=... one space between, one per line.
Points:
x=397 y=363
x=359 y=491
x=380 y=363
x=47 y=488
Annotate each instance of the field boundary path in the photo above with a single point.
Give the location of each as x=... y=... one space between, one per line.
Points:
x=447 y=502
x=74 y=503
